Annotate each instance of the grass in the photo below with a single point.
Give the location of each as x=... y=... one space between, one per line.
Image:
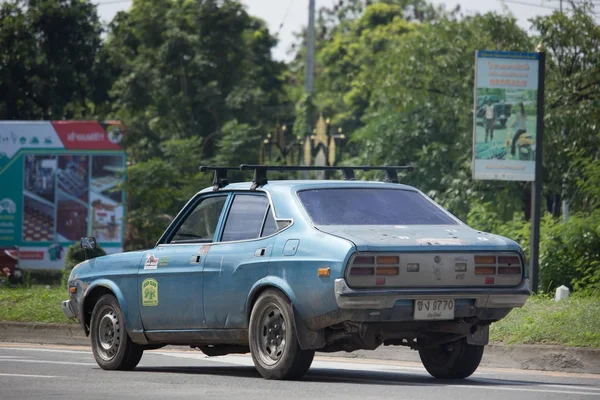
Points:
x=571 y=322
x=37 y=304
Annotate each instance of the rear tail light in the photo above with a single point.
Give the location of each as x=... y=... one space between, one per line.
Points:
x=388 y=260
x=412 y=267
x=362 y=271
x=485 y=270
x=509 y=270
x=485 y=259
x=364 y=260
x=388 y=270
x=510 y=260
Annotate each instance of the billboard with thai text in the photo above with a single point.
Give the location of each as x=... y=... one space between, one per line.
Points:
x=505 y=115
x=59 y=181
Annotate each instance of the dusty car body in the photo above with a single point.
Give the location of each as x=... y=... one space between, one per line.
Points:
x=283 y=268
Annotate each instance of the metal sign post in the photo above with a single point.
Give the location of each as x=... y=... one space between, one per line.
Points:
x=536 y=187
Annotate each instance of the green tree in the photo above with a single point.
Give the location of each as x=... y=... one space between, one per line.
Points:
x=48 y=66
x=196 y=84
x=572 y=106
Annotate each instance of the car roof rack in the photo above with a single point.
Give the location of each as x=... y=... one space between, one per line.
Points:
x=220 y=179
x=260 y=172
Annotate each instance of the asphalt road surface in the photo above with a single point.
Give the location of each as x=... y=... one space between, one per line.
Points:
x=57 y=372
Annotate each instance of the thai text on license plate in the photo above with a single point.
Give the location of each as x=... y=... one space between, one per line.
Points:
x=434 y=309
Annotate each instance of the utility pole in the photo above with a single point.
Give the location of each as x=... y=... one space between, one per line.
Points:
x=309 y=74
x=310 y=50
x=536 y=189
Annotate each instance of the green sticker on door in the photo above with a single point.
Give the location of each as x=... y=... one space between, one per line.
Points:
x=149 y=292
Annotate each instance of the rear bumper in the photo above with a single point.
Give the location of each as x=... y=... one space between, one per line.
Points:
x=484 y=298
x=67 y=309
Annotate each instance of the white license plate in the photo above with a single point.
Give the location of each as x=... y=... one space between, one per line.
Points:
x=434 y=309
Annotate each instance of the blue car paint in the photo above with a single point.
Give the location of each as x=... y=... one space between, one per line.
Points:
x=230 y=270
x=117 y=272
x=229 y=276
x=178 y=276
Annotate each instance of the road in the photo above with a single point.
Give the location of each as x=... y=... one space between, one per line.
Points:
x=62 y=372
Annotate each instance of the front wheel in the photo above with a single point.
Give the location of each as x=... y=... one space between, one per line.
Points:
x=455 y=360
x=273 y=341
x=111 y=345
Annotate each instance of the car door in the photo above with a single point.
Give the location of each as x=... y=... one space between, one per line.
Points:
x=170 y=275
x=238 y=260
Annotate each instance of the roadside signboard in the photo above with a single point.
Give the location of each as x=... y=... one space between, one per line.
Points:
x=505 y=116
x=59 y=181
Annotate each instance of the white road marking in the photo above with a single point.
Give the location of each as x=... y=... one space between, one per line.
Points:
x=533 y=389
x=51 y=362
x=548 y=385
x=31 y=376
x=45 y=350
x=11 y=357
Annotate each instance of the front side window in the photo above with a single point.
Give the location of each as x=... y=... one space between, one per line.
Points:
x=245 y=219
x=201 y=224
x=358 y=206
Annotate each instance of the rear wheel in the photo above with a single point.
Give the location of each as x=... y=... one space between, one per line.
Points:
x=455 y=360
x=273 y=341
x=111 y=345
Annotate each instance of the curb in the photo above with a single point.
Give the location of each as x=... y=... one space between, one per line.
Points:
x=526 y=357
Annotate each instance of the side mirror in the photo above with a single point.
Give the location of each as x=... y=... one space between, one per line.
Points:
x=88 y=243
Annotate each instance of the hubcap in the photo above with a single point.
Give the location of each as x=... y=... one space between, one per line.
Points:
x=272 y=334
x=108 y=335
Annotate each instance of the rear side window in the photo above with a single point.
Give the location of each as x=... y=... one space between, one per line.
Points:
x=357 y=206
x=270 y=226
x=245 y=219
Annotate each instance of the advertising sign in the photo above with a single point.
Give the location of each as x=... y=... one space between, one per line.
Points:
x=60 y=181
x=504 y=131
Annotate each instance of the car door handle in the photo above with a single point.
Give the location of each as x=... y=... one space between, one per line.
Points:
x=195 y=260
x=260 y=252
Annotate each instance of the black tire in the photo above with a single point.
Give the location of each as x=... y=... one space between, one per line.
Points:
x=455 y=360
x=272 y=320
x=111 y=345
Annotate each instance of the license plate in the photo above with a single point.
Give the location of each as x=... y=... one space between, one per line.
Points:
x=434 y=309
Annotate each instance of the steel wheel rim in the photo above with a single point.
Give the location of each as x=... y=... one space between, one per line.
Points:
x=108 y=337
x=270 y=335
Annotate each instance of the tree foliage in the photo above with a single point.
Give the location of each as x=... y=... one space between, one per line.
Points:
x=48 y=59
x=196 y=83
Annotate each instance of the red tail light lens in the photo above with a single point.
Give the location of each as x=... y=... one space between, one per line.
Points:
x=509 y=270
x=364 y=260
x=362 y=271
x=510 y=260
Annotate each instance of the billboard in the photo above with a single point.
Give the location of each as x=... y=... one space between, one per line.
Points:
x=59 y=181
x=505 y=115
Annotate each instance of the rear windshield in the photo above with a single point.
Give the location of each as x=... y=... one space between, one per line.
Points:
x=371 y=207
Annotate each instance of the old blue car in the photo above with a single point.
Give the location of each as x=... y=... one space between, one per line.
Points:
x=282 y=269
